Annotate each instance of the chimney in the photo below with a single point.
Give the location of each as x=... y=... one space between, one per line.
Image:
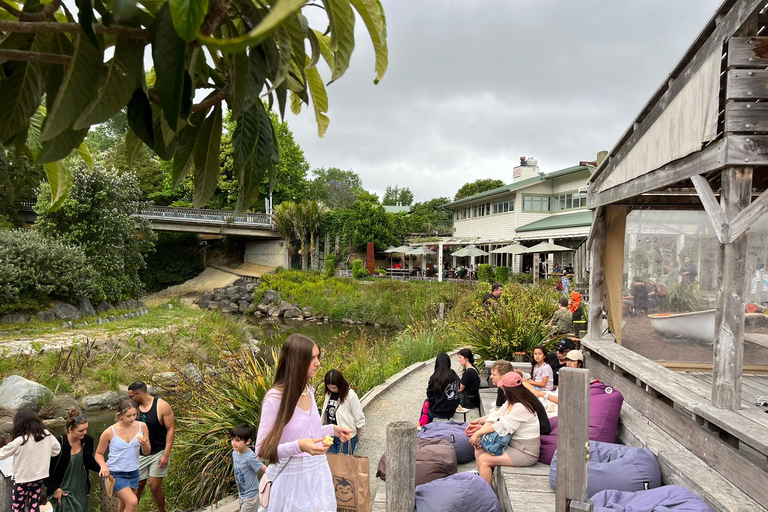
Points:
x=528 y=168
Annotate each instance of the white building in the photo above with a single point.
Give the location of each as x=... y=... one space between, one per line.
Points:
x=535 y=207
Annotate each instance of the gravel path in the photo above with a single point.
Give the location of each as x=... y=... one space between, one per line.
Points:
x=400 y=402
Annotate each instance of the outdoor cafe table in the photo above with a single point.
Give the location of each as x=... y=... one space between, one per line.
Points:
x=398 y=272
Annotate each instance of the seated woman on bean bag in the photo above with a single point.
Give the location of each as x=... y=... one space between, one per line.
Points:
x=443 y=389
x=517 y=417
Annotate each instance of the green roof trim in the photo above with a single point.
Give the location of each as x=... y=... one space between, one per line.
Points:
x=521 y=184
x=569 y=220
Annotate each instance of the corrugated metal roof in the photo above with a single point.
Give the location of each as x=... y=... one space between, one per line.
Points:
x=521 y=184
x=569 y=220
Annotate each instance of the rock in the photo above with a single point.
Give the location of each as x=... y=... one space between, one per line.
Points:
x=121 y=305
x=132 y=304
x=307 y=312
x=170 y=306
x=229 y=307
x=14 y=318
x=66 y=311
x=70 y=324
x=283 y=307
x=59 y=407
x=54 y=423
x=218 y=294
x=19 y=393
x=376 y=326
x=6 y=427
x=100 y=401
x=270 y=296
x=111 y=318
x=262 y=308
x=141 y=303
x=86 y=308
x=249 y=287
x=166 y=379
x=104 y=306
x=192 y=373
x=755 y=320
x=233 y=292
x=292 y=313
x=204 y=300
x=6 y=413
x=213 y=305
x=45 y=316
x=243 y=305
x=347 y=321
x=239 y=282
x=325 y=319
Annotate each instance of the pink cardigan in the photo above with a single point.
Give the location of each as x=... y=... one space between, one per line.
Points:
x=303 y=425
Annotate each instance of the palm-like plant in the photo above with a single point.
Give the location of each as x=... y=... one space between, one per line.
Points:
x=282 y=220
x=313 y=215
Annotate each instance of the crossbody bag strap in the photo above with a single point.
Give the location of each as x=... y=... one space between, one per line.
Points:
x=281 y=469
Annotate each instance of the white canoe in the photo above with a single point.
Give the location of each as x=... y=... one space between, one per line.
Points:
x=699 y=325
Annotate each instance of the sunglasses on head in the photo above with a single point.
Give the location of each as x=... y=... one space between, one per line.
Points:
x=80 y=419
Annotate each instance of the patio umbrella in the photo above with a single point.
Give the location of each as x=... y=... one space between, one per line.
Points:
x=511 y=249
x=469 y=251
x=389 y=250
x=422 y=251
x=547 y=247
x=403 y=249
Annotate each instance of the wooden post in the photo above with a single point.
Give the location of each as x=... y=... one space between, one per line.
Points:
x=401 y=466
x=6 y=493
x=573 y=441
x=615 y=231
x=441 y=311
x=728 y=350
x=440 y=261
x=536 y=266
x=597 y=276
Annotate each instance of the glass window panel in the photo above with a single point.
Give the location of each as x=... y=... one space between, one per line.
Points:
x=568 y=203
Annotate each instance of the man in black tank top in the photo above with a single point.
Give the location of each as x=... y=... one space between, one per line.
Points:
x=158 y=416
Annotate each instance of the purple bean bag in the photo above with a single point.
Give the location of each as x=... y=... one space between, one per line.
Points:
x=452 y=432
x=618 y=467
x=462 y=492
x=604 y=410
x=663 y=499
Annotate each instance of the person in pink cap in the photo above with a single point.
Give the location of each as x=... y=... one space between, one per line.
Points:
x=517 y=417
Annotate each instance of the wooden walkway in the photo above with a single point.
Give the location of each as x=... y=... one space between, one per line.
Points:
x=752 y=386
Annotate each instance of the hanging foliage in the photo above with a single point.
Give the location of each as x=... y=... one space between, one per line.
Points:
x=55 y=83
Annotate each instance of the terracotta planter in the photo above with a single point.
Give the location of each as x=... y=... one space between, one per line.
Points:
x=519 y=357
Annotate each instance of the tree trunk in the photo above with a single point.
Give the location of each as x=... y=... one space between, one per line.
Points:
x=313 y=251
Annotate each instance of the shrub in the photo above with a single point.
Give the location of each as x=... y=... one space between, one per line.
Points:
x=380 y=272
x=358 y=272
x=331 y=261
x=522 y=278
x=34 y=265
x=682 y=298
x=485 y=273
x=27 y=304
x=174 y=261
x=502 y=274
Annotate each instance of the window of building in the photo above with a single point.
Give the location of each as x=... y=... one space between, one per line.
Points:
x=537 y=203
x=504 y=206
x=481 y=210
x=463 y=213
x=570 y=201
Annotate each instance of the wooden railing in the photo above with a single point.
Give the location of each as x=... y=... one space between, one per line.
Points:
x=171 y=213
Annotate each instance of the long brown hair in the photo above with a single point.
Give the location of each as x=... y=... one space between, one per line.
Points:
x=291 y=378
x=335 y=378
x=519 y=394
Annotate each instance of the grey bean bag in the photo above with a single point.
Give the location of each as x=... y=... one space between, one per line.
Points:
x=452 y=432
x=618 y=467
x=663 y=499
x=462 y=492
x=435 y=459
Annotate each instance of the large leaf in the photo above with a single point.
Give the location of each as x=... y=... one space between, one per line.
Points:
x=238 y=79
x=342 y=35
x=85 y=154
x=60 y=179
x=140 y=117
x=20 y=91
x=182 y=158
x=187 y=16
x=284 y=44
x=78 y=88
x=132 y=146
x=319 y=100
x=62 y=144
x=206 y=158
x=58 y=44
x=296 y=27
x=253 y=172
x=168 y=54
x=125 y=72
x=85 y=17
x=373 y=16
x=257 y=76
x=33 y=135
x=325 y=47
x=246 y=135
x=281 y=11
x=165 y=138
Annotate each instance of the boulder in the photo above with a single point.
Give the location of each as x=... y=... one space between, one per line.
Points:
x=15 y=318
x=59 y=407
x=204 y=300
x=6 y=426
x=64 y=311
x=192 y=373
x=234 y=292
x=104 y=306
x=249 y=287
x=86 y=308
x=6 y=413
x=141 y=303
x=262 y=308
x=166 y=379
x=132 y=304
x=307 y=312
x=283 y=307
x=218 y=294
x=100 y=401
x=19 y=393
x=45 y=316
x=54 y=423
x=292 y=313
x=270 y=296
x=229 y=307
x=242 y=305
x=239 y=282
x=121 y=305
x=755 y=320
x=213 y=305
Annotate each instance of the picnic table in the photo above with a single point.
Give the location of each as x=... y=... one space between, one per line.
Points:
x=401 y=273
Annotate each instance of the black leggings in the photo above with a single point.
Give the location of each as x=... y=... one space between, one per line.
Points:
x=27 y=494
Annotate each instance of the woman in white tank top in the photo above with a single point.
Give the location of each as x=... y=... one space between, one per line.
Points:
x=124 y=439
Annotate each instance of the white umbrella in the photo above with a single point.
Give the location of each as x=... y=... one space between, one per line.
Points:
x=511 y=249
x=389 y=250
x=403 y=249
x=469 y=251
x=547 y=247
x=422 y=251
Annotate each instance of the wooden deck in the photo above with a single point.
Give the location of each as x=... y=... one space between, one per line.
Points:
x=752 y=386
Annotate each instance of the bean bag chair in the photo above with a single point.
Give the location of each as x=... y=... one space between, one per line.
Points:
x=604 y=411
x=453 y=432
x=618 y=467
x=669 y=498
x=462 y=492
x=435 y=459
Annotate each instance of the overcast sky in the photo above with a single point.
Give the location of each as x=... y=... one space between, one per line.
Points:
x=473 y=85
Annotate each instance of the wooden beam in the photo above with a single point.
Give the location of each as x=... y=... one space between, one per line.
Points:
x=572 y=438
x=748 y=216
x=616 y=220
x=741 y=52
x=746 y=84
x=743 y=116
x=597 y=275
x=712 y=207
x=401 y=466
x=597 y=213
x=735 y=18
x=728 y=350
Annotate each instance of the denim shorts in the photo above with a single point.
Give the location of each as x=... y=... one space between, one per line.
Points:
x=125 y=479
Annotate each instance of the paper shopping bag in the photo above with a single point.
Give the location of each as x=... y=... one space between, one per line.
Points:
x=351 y=482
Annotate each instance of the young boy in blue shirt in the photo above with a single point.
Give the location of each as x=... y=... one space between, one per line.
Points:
x=247 y=468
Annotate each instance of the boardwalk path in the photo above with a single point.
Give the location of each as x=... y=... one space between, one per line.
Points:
x=401 y=401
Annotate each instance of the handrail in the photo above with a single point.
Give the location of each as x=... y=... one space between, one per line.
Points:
x=167 y=212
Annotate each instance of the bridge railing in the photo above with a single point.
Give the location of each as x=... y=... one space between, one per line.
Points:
x=168 y=212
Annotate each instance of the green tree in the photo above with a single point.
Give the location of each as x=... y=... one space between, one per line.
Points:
x=334 y=187
x=397 y=196
x=238 y=52
x=431 y=216
x=98 y=215
x=476 y=187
